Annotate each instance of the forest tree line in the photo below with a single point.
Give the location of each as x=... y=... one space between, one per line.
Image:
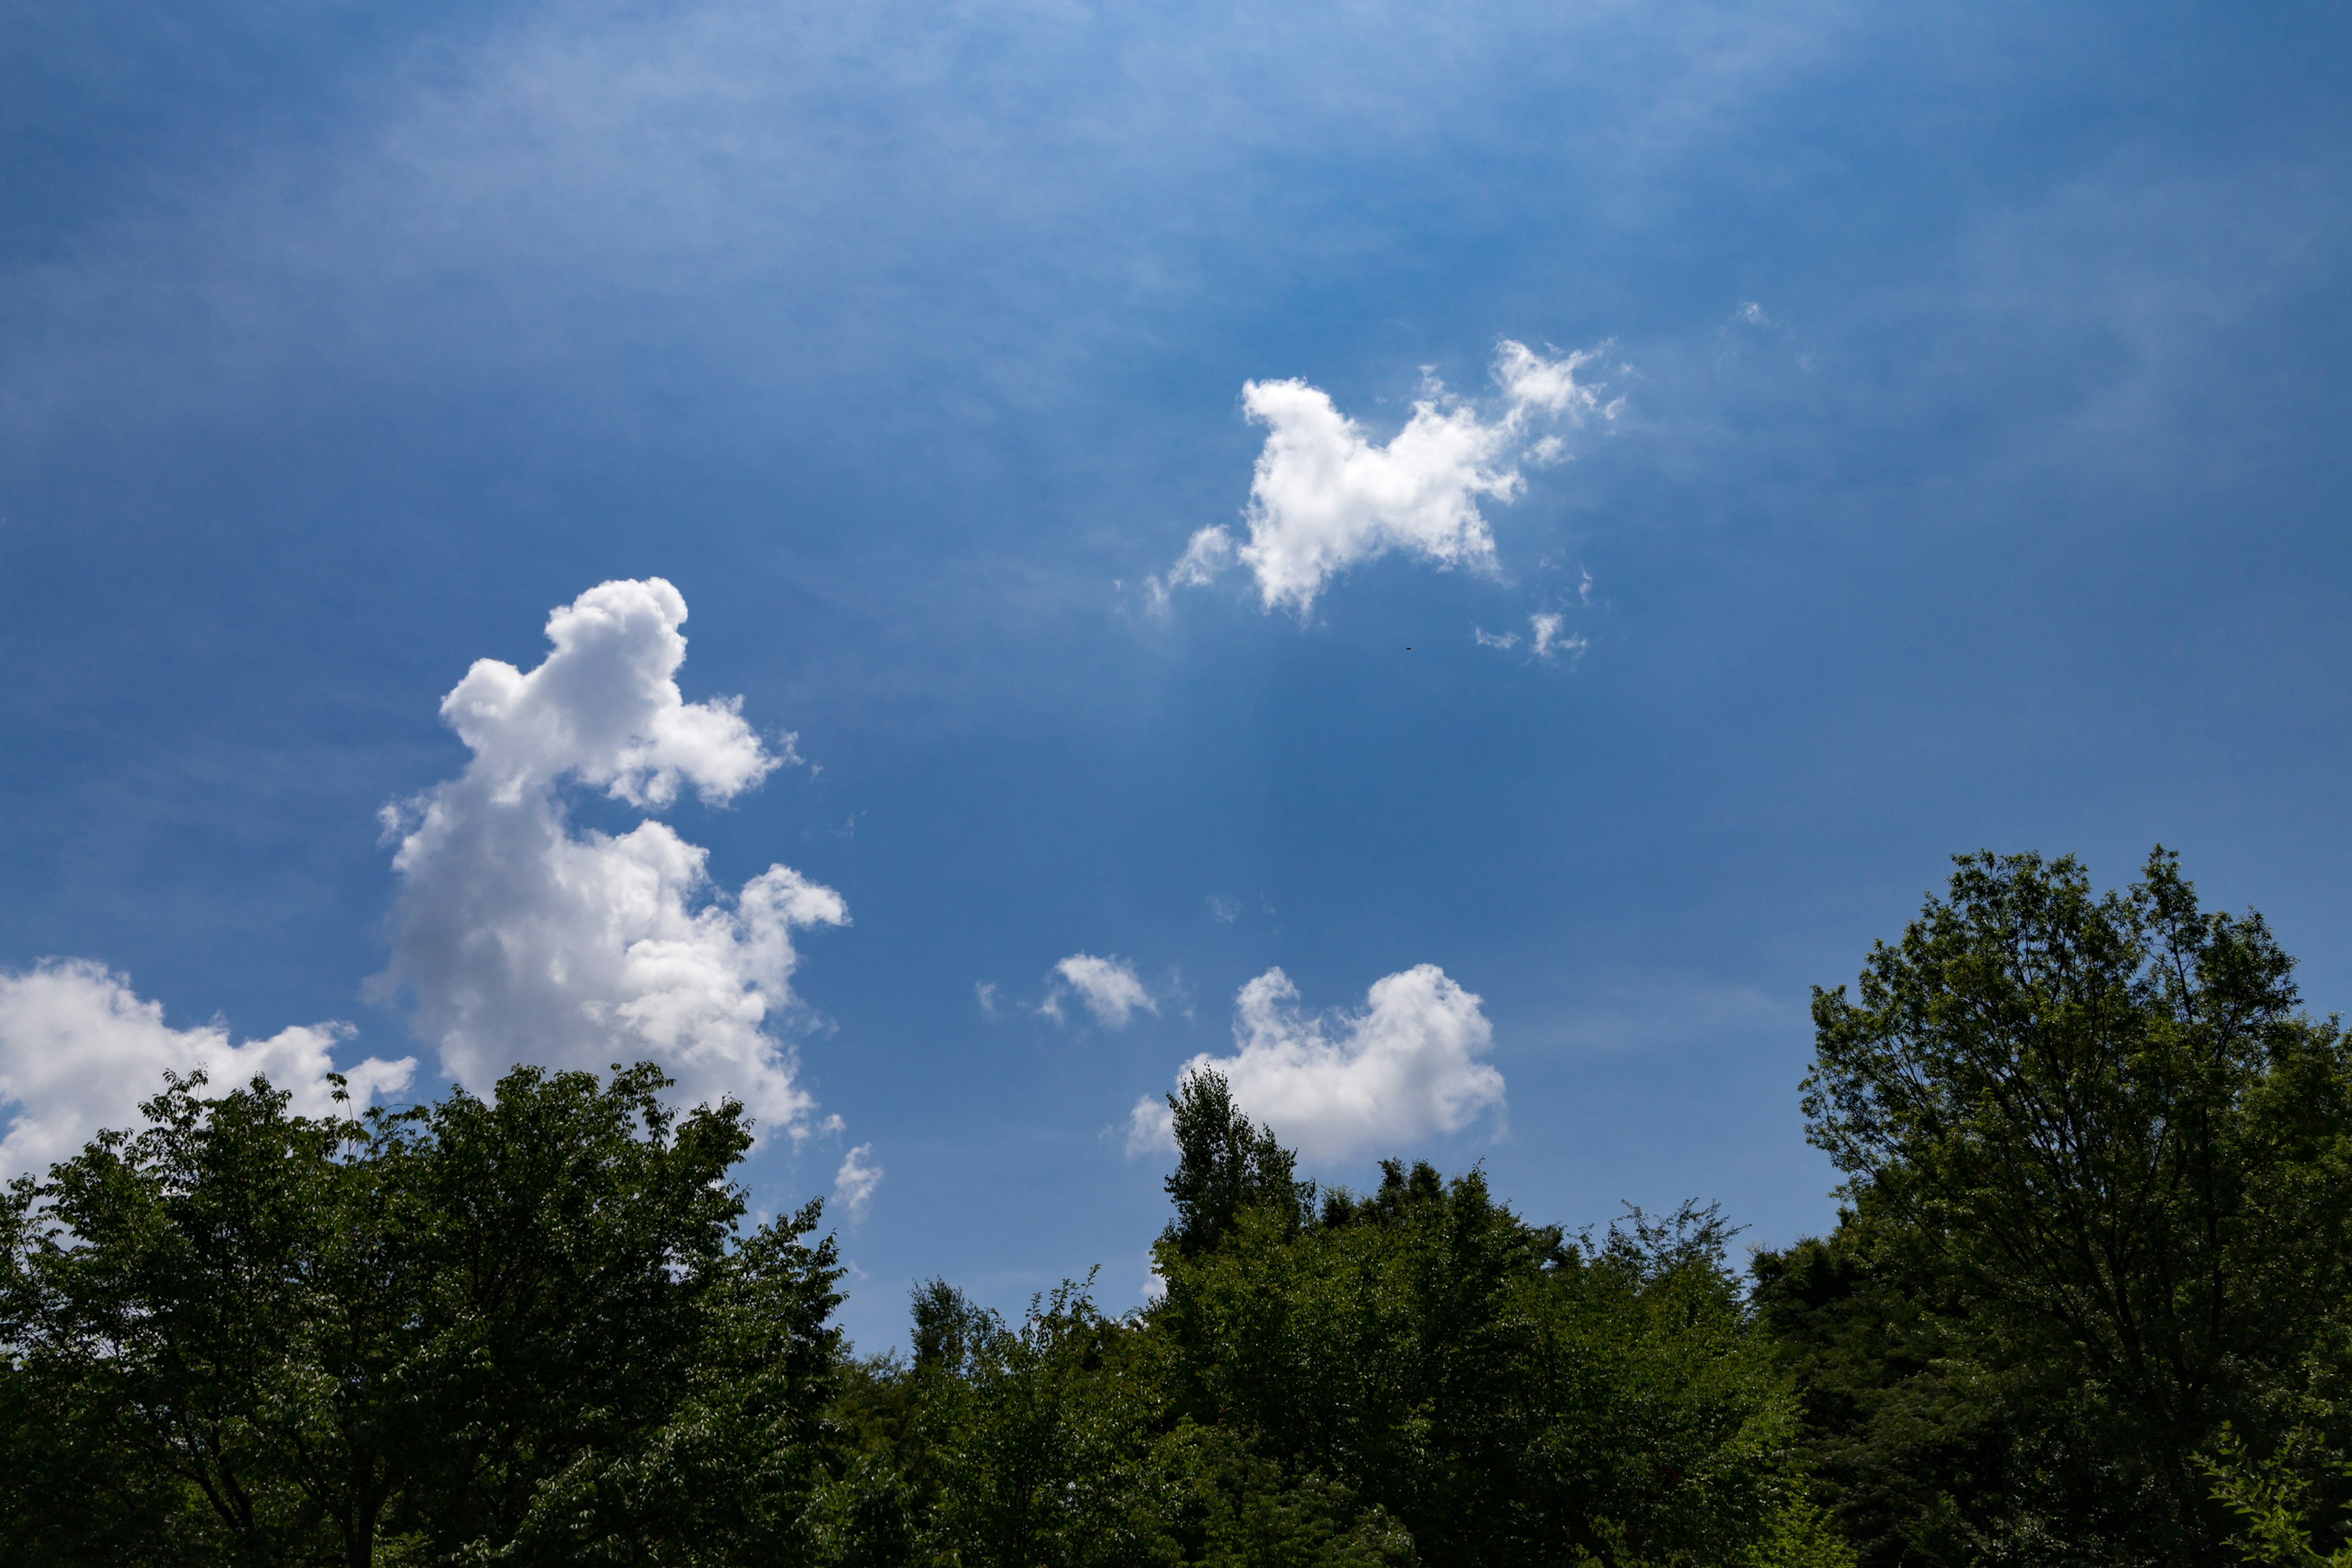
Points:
x=2086 y=1302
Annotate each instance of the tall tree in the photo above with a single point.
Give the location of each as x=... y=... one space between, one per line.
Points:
x=1225 y=1165
x=1507 y=1394
x=1411 y=1375
x=2095 y=1152
x=523 y=1328
x=211 y=1301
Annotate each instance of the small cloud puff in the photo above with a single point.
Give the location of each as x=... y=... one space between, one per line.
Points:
x=1325 y=498
x=1341 y=1085
x=1107 y=987
x=80 y=1051
x=1209 y=552
x=1532 y=382
x=855 y=1183
x=1547 y=639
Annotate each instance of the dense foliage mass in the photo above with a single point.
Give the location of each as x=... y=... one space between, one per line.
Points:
x=522 y=1330
x=2086 y=1304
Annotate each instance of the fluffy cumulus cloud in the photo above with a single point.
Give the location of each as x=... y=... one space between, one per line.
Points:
x=1325 y=496
x=1339 y=1085
x=80 y=1051
x=523 y=938
x=1107 y=987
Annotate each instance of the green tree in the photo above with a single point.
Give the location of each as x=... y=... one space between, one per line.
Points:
x=1506 y=1395
x=2277 y=1502
x=204 y=1302
x=1225 y=1166
x=1044 y=1439
x=1925 y=1454
x=518 y=1328
x=1052 y=1443
x=1334 y=1380
x=2096 y=1160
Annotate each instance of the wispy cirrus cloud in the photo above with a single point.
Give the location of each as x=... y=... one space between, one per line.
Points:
x=1548 y=637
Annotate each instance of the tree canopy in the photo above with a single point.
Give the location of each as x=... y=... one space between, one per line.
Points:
x=2098 y=1194
x=520 y=1329
x=2085 y=1304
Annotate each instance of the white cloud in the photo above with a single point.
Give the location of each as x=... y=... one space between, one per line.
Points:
x=855 y=1183
x=1349 y=1084
x=1107 y=985
x=1548 y=640
x=522 y=940
x=1209 y=551
x=1150 y=1125
x=1753 y=314
x=1324 y=497
x=604 y=709
x=1545 y=639
x=78 y=1051
x=1533 y=381
x=984 y=992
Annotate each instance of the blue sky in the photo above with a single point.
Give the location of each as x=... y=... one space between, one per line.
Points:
x=1980 y=479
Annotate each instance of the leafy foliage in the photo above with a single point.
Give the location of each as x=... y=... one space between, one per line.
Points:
x=510 y=1330
x=530 y=1329
x=2086 y=1304
x=2274 y=1501
x=2097 y=1166
x=1413 y=1375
